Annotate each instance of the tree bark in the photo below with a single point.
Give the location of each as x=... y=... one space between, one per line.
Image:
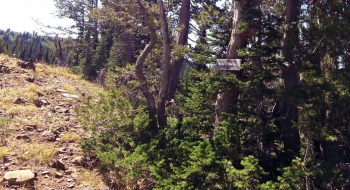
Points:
x=290 y=77
x=184 y=23
x=227 y=100
x=152 y=109
x=163 y=91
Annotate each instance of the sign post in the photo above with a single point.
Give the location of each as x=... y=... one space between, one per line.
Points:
x=228 y=64
x=229 y=96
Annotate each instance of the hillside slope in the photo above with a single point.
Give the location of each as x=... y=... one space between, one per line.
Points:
x=38 y=128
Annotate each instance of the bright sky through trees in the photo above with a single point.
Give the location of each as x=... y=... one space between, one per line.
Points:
x=19 y=15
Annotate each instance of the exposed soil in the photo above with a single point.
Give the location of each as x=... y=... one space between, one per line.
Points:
x=39 y=130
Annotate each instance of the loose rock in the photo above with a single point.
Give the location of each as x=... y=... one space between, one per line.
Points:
x=59 y=165
x=45 y=172
x=58 y=175
x=19 y=176
x=79 y=161
x=40 y=102
x=19 y=101
x=30 y=79
x=31 y=127
x=26 y=65
x=61 y=90
x=22 y=137
x=70 y=95
x=62 y=150
x=71 y=186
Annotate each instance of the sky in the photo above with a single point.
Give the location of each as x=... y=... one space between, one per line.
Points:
x=19 y=15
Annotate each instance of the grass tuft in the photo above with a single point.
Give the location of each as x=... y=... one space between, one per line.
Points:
x=23 y=111
x=38 y=153
x=69 y=88
x=3 y=152
x=89 y=179
x=70 y=137
x=51 y=70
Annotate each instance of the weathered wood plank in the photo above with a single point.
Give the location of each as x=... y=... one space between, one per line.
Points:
x=228 y=64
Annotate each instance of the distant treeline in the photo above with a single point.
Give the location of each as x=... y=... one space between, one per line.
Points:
x=86 y=54
x=28 y=46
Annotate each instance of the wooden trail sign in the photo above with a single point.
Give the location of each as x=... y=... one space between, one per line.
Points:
x=228 y=64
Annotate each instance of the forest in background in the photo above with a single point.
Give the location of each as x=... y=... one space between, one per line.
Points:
x=171 y=122
x=30 y=46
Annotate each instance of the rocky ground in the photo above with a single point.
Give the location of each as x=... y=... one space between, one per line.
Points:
x=39 y=133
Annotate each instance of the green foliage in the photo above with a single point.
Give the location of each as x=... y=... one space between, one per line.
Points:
x=2 y=46
x=247 y=150
x=248 y=177
x=115 y=59
x=111 y=111
x=179 y=51
x=293 y=176
x=26 y=46
x=4 y=130
x=117 y=131
x=100 y=57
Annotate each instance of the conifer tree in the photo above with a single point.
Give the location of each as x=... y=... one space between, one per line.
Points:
x=3 y=47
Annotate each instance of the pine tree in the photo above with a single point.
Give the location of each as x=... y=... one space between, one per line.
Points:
x=3 y=47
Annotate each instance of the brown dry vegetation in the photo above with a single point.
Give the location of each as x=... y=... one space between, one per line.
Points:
x=38 y=125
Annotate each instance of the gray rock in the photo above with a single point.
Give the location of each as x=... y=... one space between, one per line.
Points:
x=39 y=130
x=18 y=176
x=62 y=150
x=61 y=90
x=30 y=79
x=71 y=186
x=45 y=172
x=26 y=65
x=58 y=130
x=79 y=161
x=68 y=172
x=59 y=165
x=22 y=137
x=40 y=102
x=58 y=175
x=61 y=110
x=19 y=101
x=14 y=187
x=70 y=95
x=52 y=138
x=46 y=133
x=31 y=127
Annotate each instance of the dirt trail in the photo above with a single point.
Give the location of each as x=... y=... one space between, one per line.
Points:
x=38 y=127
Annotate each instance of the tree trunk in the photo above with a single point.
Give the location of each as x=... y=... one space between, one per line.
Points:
x=290 y=77
x=152 y=109
x=94 y=5
x=163 y=91
x=184 y=23
x=227 y=100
